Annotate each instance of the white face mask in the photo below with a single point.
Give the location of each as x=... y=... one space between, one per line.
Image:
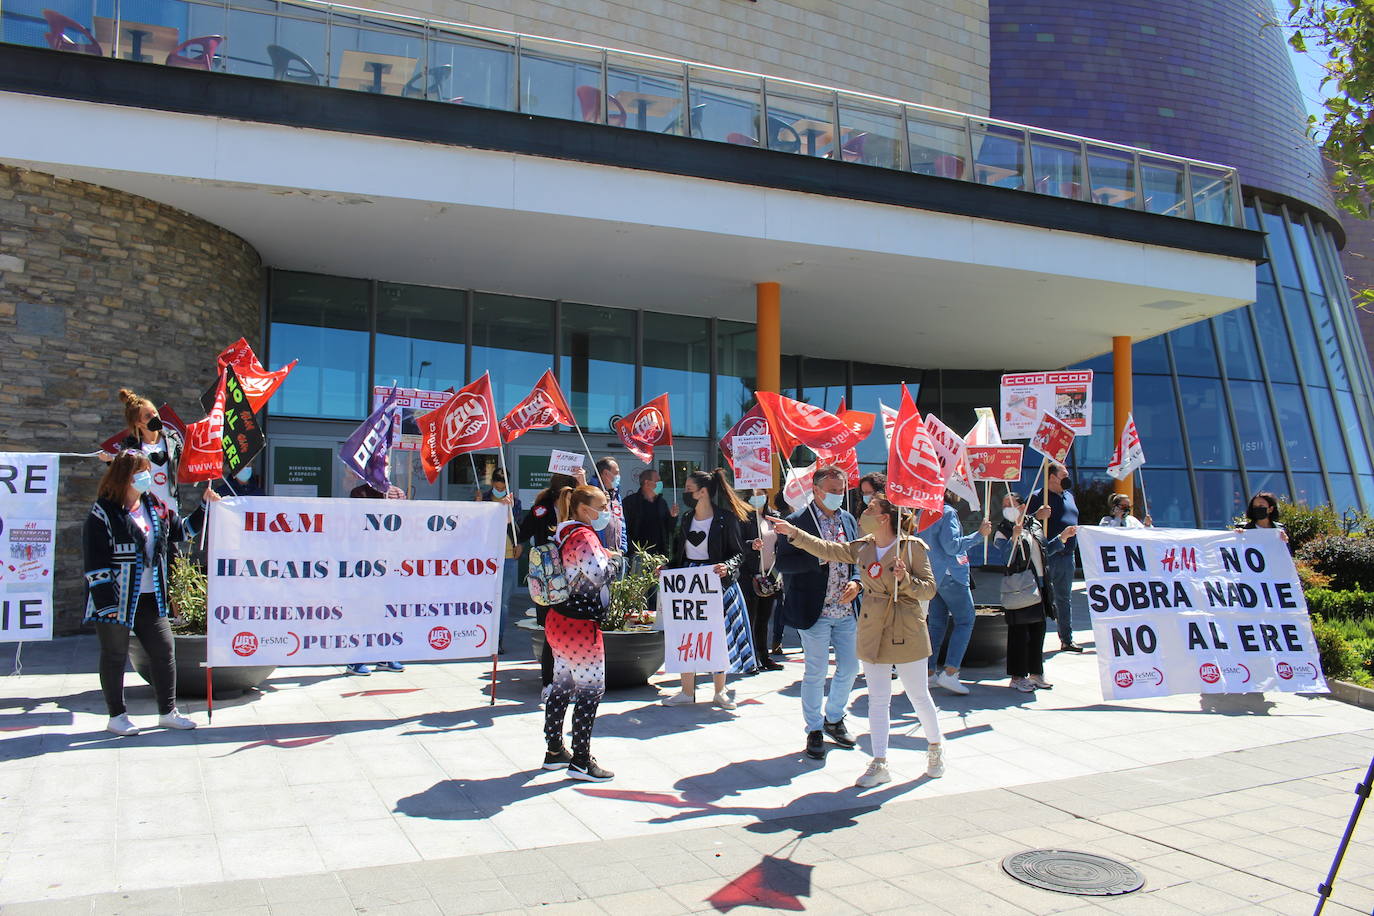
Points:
x=1011 y=514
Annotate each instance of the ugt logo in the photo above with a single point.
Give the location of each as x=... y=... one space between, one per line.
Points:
x=649 y=425
x=440 y=638
x=466 y=422
x=1209 y=673
x=244 y=644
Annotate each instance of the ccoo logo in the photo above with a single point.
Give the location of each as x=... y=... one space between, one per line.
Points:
x=244 y=644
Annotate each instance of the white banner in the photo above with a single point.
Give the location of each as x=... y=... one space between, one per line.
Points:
x=337 y=581
x=752 y=460
x=1182 y=611
x=953 y=455
x=561 y=462
x=28 y=532
x=1066 y=396
x=692 y=609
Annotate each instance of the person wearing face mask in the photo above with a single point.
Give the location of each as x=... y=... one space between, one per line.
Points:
x=819 y=602
x=757 y=578
x=870 y=485
x=1263 y=512
x=711 y=535
x=129 y=539
x=1019 y=545
x=572 y=630
x=510 y=572
x=1120 y=508
x=1057 y=494
x=892 y=633
x=160 y=443
x=538 y=526
x=614 y=537
x=648 y=517
x=953 y=600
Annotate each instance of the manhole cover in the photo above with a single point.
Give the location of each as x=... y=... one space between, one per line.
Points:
x=1070 y=872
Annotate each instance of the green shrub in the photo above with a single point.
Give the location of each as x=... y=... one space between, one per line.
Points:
x=1340 y=656
x=1348 y=561
x=1305 y=523
x=1338 y=605
x=186 y=593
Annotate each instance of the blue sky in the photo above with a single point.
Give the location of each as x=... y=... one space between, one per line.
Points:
x=1308 y=69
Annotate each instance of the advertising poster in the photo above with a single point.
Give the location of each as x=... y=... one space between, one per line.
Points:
x=752 y=459
x=995 y=462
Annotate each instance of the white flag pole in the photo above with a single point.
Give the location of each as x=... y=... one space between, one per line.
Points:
x=510 y=491
x=672 y=461
x=1145 y=501
x=588 y=450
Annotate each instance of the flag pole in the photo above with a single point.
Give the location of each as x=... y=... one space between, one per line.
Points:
x=476 y=478
x=588 y=450
x=1145 y=500
x=987 y=515
x=510 y=513
x=1044 y=464
x=672 y=461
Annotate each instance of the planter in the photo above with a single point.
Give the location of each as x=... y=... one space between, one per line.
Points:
x=1350 y=693
x=987 y=646
x=190 y=655
x=631 y=655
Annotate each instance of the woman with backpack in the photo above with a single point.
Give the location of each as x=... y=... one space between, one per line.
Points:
x=572 y=630
x=538 y=526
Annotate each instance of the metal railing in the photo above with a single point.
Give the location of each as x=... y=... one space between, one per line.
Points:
x=366 y=50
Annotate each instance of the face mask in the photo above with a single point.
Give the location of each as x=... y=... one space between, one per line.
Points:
x=1011 y=514
x=143 y=481
x=154 y=425
x=758 y=502
x=498 y=494
x=615 y=482
x=689 y=499
x=867 y=524
x=1257 y=513
x=658 y=488
x=602 y=519
x=868 y=498
x=833 y=501
x=244 y=475
x=1066 y=483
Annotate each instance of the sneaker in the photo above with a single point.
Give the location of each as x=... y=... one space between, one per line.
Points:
x=589 y=771
x=839 y=734
x=679 y=699
x=815 y=745
x=875 y=775
x=390 y=666
x=1022 y=684
x=362 y=670
x=776 y=649
x=120 y=725
x=935 y=761
x=723 y=701
x=557 y=760
x=951 y=683
x=1038 y=681
x=175 y=719
x=1070 y=647
x=770 y=665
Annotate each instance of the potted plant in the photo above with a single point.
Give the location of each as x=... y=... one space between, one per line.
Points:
x=186 y=593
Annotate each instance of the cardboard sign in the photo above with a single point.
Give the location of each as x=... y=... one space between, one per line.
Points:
x=1052 y=439
x=752 y=459
x=561 y=462
x=691 y=607
x=1067 y=396
x=995 y=462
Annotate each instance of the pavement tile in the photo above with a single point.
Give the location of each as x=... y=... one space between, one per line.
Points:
x=301 y=888
x=165 y=902
x=207 y=898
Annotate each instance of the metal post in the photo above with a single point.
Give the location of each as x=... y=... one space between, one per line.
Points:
x=763 y=114
x=605 y=98
x=1085 y=187
x=904 y=147
x=515 y=73
x=685 y=128
x=1139 y=184
x=970 y=173
x=1361 y=795
x=836 y=142
x=1190 y=209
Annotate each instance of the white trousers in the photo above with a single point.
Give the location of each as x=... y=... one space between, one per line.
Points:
x=913 y=676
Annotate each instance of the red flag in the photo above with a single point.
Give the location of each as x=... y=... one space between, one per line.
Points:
x=202 y=455
x=543 y=407
x=465 y=423
x=753 y=423
x=257 y=382
x=913 y=467
x=859 y=421
x=795 y=423
x=645 y=427
x=1053 y=438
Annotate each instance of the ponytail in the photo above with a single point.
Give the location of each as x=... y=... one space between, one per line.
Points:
x=718 y=490
x=570 y=498
x=133 y=406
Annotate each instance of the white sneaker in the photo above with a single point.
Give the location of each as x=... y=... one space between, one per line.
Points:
x=951 y=683
x=723 y=701
x=1038 y=680
x=1022 y=684
x=935 y=761
x=120 y=725
x=679 y=699
x=175 y=719
x=875 y=775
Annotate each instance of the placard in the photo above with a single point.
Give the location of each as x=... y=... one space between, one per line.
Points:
x=1052 y=439
x=995 y=462
x=752 y=459
x=411 y=402
x=1183 y=611
x=561 y=462
x=339 y=581
x=691 y=606
x=798 y=490
x=1067 y=396
x=28 y=535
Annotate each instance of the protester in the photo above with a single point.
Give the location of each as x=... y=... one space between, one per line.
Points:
x=1020 y=546
x=1119 y=509
x=247 y=482
x=648 y=517
x=953 y=600
x=366 y=491
x=892 y=625
x=1059 y=574
x=538 y=526
x=510 y=570
x=613 y=538
x=870 y=485
x=161 y=445
x=710 y=535
x=779 y=506
x=1263 y=512
x=758 y=578
x=573 y=631
x=129 y=540
x=818 y=600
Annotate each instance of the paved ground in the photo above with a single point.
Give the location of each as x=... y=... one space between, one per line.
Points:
x=329 y=794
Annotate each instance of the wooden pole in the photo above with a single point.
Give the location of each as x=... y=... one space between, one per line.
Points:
x=1044 y=465
x=987 y=515
x=492 y=702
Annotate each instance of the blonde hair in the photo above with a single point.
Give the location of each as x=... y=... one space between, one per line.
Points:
x=572 y=498
x=133 y=407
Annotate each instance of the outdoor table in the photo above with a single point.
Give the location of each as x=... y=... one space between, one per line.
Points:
x=813 y=131
x=384 y=74
x=139 y=41
x=646 y=103
x=1114 y=196
x=992 y=174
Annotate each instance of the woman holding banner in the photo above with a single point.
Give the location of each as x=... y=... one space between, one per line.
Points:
x=711 y=535
x=129 y=540
x=897 y=582
x=573 y=631
x=1020 y=547
x=1120 y=508
x=538 y=526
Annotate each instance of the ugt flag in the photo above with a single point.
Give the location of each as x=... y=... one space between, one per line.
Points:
x=364 y=451
x=1128 y=455
x=794 y=423
x=465 y=423
x=258 y=383
x=645 y=427
x=543 y=407
x=914 y=478
x=753 y=423
x=202 y=458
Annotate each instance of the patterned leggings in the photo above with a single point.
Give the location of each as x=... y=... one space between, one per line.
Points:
x=579 y=674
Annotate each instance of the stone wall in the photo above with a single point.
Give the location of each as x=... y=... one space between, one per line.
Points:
x=100 y=290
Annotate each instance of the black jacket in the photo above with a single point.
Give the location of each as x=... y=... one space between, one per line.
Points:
x=539 y=523
x=749 y=530
x=804 y=577
x=647 y=523
x=724 y=543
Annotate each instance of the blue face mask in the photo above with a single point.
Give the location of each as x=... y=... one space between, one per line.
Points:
x=497 y=494
x=758 y=502
x=142 y=481
x=603 y=519
x=244 y=475
x=658 y=488
x=833 y=501
x=615 y=482
x=868 y=498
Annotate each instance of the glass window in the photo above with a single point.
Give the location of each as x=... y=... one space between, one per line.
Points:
x=870 y=132
x=1113 y=177
x=475 y=69
x=1209 y=429
x=1350 y=422
x=1096 y=450
x=564 y=81
x=373 y=55
x=1300 y=320
x=736 y=362
x=1222 y=498
x=1297 y=432
x=724 y=107
x=597 y=365
x=290 y=43
x=1311 y=489
x=1278 y=354
x=1307 y=259
x=825 y=381
x=650 y=93
x=1343 y=495
x=1366 y=483
x=420 y=337
x=1170 y=499
x=1148 y=357
x=1238 y=344
x=322 y=321
x=1328 y=430
x=1212 y=196
x=512 y=338
x=939 y=145
x=1194 y=351
x=1156 y=418
x=1329 y=343
x=1057 y=166
x=791 y=375
x=1162 y=183
x=1281 y=254
x=1258 y=443
x=676 y=360
x=1269 y=482
x=998 y=154
x=800 y=119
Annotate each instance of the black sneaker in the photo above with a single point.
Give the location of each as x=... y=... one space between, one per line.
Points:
x=589 y=771
x=839 y=734
x=1070 y=647
x=770 y=665
x=557 y=760
x=815 y=746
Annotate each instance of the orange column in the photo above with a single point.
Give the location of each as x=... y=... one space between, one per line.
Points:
x=768 y=353
x=1122 y=398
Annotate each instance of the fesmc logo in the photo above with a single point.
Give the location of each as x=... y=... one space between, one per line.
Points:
x=244 y=644
x=1307 y=671
x=1210 y=672
x=648 y=426
x=1125 y=678
x=468 y=421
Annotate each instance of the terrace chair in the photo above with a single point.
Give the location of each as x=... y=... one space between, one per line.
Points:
x=852 y=150
x=589 y=97
x=57 y=38
x=283 y=62
x=1070 y=189
x=203 y=57
x=783 y=137
x=741 y=139
x=693 y=122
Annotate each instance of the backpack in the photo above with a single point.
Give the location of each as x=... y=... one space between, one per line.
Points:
x=548 y=582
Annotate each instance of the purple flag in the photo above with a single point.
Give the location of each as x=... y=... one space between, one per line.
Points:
x=364 y=452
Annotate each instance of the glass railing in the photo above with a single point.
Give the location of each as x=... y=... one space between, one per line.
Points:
x=450 y=63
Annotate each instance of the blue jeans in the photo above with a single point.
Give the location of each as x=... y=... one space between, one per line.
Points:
x=1059 y=575
x=952 y=600
x=510 y=582
x=842 y=633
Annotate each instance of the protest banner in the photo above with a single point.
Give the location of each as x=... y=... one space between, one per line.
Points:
x=242 y=437
x=365 y=450
x=913 y=467
x=753 y=423
x=1052 y=438
x=691 y=607
x=752 y=462
x=561 y=462
x=796 y=489
x=28 y=531
x=1068 y=396
x=1182 y=611
x=953 y=455
x=337 y=581
x=995 y=462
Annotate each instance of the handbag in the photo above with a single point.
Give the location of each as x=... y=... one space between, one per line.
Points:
x=768 y=584
x=1020 y=589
